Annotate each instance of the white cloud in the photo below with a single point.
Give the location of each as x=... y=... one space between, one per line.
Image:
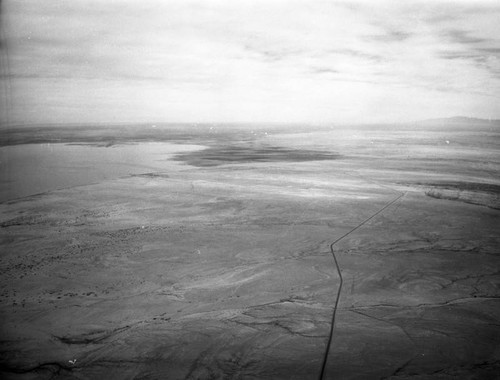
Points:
x=251 y=60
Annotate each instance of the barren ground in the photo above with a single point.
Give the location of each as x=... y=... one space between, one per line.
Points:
x=216 y=265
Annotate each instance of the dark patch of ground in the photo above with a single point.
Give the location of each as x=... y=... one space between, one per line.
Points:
x=222 y=155
x=465 y=186
x=151 y=175
x=477 y=193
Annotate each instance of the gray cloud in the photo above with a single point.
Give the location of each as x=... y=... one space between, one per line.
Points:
x=298 y=55
x=493 y=51
x=358 y=54
x=484 y=58
x=324 y=70
x=479 y=61
x=273 y=54
x=459 y=54
x=462 y=37
x=389 y=36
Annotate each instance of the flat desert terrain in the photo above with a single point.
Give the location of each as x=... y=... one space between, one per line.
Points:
x=203 y=252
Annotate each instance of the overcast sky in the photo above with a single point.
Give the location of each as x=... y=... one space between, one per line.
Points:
x=250 y=61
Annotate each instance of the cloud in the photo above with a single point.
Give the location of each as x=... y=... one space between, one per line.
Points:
x=460 y=55
x=464 y=37
x=490 y=50
x=273 y=54
x=228 y=60
x=390 y=36
x=324 y=70
x=359 y=54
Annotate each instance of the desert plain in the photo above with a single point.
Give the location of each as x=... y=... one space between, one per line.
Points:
x=203 y=251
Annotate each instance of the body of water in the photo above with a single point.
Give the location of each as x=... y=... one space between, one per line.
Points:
x=36 y=168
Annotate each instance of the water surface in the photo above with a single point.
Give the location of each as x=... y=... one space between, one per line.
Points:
x=30 y=169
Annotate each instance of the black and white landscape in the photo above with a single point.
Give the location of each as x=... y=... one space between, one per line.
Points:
x=304 y=205
x=211 y=259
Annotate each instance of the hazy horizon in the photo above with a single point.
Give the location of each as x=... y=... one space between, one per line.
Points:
x=89 y=62
x=453 y=120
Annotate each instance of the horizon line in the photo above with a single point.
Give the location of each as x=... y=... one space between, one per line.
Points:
x=256 y=123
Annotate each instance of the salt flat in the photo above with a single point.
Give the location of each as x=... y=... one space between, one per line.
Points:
x=216 y=263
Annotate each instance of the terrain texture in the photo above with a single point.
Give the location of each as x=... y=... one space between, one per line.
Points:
x=217 y=265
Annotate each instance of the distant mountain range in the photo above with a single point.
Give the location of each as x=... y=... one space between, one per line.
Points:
x=460 y=120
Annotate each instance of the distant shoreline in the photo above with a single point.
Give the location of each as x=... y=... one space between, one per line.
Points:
x=206 y=133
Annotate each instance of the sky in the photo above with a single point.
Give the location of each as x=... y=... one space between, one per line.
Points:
x=280 y=61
